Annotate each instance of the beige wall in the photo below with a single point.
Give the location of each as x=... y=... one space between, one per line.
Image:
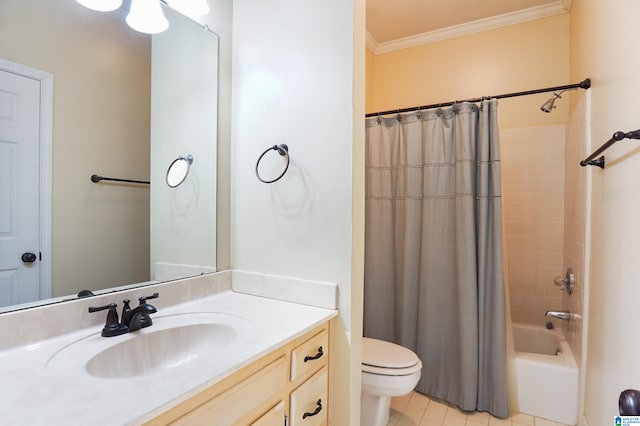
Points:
x=100 y=126
x=575 y=219
x=369 y=61
x=604 y=45
x=357 y=212
x=519 y=57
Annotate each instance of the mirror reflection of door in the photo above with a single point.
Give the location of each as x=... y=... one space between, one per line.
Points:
x=20 y=221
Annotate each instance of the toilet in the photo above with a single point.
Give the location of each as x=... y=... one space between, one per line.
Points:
x=388 y=370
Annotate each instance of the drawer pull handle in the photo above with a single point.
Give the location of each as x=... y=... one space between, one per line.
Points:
x=316 y=356
x=315 y=412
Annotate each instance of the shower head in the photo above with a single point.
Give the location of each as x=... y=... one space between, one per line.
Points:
x=549 y=105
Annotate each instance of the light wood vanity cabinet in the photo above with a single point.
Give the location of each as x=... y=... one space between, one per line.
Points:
x=290 y=382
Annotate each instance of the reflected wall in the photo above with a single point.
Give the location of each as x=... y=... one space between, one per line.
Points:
x=100 y=126
x=183 y=122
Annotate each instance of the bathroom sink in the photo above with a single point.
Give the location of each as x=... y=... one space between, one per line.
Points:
x=160 y=350
x=172 y=342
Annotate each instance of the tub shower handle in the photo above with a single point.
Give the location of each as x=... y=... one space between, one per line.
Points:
x=566 y=283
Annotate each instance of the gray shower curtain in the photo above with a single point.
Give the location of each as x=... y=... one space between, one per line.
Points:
x=433 y=251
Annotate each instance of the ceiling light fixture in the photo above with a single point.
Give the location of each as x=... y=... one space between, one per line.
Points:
x=146 y=16
x=192 y=8
x=101 y=5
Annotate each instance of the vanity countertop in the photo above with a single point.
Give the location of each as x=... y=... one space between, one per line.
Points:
x=34 y=393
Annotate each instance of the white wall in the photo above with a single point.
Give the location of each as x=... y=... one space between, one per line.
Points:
x=604 y=46
x=293 y=83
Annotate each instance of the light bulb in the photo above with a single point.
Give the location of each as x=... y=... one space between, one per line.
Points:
x=191 y=8
x=101 y=5
x=146 y=16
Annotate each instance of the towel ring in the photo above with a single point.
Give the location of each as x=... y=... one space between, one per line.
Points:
x=178 y=170
x=283 y=150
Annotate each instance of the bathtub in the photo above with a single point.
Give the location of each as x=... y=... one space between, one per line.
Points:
x=547 y=374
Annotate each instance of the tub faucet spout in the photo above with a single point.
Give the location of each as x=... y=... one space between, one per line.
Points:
x=563 y=315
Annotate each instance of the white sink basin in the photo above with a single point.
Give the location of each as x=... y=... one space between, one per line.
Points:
x=160 y=350
x=172 y=342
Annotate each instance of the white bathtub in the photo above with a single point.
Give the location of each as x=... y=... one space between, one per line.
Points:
x=547 y=374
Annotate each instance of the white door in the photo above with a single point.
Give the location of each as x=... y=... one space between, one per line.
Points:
x=19 y=189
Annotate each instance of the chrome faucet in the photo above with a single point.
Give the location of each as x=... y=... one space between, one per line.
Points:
x=563 y=315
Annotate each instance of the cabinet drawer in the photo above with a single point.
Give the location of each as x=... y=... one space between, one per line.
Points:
x=238 y=401
x=309 y=403
x=310 y=356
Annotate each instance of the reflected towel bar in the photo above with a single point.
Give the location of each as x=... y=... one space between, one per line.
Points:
x=96 y=179
x=617 y=136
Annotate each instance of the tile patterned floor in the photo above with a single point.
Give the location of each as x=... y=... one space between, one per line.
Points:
x=416 y=409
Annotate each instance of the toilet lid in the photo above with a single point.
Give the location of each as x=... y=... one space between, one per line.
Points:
x=379 y=353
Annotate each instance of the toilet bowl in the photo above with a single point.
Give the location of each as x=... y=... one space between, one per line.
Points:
x=388 y=370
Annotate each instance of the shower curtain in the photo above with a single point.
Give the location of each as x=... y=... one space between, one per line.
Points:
x=433 y=250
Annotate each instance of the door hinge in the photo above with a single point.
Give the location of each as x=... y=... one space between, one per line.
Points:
x=286 y=421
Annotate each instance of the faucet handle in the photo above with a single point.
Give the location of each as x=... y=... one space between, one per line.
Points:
x=144 y=299
x=567 y=282
x=126 y=311
x=112 y=326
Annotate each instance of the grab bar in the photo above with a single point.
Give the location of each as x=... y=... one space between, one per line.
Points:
x=96 y=179
x=617 y=136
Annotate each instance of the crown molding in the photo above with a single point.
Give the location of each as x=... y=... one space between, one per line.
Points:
x=372 y=44
x=525 y=15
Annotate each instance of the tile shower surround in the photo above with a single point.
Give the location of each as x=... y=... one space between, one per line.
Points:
x=533 y=199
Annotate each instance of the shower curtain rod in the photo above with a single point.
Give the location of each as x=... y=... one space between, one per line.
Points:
x=585 y=84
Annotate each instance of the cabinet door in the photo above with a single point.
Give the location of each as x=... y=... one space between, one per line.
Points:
x=273 y=417
x=309 y=402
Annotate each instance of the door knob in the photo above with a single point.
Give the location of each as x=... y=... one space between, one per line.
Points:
x=29 y=257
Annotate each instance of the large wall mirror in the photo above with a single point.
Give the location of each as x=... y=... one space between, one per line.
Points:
x=124 y=105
